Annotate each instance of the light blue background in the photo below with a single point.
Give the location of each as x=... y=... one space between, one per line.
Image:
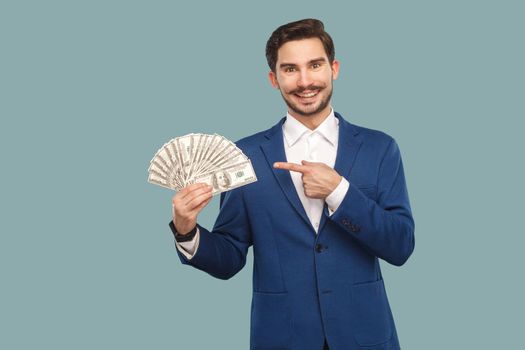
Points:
x=90 y=90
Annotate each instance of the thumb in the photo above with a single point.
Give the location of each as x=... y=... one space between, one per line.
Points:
x=305 y=162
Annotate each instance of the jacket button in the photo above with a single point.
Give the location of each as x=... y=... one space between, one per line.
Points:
x=319 y=248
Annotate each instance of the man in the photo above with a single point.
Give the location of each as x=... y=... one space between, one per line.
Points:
x=330 y=200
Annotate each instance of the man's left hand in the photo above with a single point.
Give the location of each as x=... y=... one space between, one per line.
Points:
x=319 y=180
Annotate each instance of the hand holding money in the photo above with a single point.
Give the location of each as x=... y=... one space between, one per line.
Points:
x=187 y=204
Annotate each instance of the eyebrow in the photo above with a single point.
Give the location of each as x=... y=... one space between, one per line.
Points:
x=315 y=60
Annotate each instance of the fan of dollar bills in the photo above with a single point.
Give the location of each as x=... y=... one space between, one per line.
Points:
x=193 y=158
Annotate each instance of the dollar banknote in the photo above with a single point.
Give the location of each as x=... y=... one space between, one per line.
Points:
x=229 y=177
x=201 y=158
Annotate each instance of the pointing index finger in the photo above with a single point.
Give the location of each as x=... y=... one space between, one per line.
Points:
x=290 y=166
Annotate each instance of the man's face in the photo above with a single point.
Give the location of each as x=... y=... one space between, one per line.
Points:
x=304 y=77
x=222 y=181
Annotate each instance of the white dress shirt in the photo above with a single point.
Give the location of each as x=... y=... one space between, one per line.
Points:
x=301 y=143
x=319 y=145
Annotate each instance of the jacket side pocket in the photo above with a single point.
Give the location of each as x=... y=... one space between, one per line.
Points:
x=270 y=321
x=370 y=304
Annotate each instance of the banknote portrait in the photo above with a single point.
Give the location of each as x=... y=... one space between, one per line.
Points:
x=221 y=180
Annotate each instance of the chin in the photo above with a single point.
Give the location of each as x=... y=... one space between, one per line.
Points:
x=310 y=112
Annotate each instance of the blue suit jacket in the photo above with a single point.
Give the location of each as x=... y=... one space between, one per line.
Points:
x=308 y=286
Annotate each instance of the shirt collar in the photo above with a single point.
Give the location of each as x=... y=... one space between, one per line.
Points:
x=294 y=129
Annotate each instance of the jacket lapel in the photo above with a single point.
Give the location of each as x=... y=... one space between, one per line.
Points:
x=273 y=150
x=347 y=149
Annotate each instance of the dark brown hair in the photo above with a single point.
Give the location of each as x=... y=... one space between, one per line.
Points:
x=303 y=29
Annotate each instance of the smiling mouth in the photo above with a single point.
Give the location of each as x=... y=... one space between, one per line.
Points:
x=306 y=94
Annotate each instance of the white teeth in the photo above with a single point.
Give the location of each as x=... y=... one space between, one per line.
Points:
x=310 y=94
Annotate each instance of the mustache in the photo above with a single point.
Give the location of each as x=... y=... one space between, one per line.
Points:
x=311 y=87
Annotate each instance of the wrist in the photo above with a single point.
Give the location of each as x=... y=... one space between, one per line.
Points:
x=337 y=181
x=338 y=194
x=183 y=236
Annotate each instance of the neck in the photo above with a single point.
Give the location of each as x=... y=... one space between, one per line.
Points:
x=314 y=120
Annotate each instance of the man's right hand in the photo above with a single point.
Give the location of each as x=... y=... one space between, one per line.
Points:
x=187 y=204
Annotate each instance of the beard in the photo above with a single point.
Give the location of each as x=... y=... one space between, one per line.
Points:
x=309 y=110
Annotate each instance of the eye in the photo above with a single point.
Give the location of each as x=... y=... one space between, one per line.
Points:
x=316 y=65
x=289 y=69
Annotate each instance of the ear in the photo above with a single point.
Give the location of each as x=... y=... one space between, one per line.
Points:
x=335 y=69
x=273 y=79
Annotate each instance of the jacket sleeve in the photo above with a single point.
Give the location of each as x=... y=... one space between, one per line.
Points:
x=384 y=227
x=222 y=252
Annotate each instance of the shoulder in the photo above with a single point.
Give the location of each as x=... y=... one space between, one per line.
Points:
x=252 y=140
x=251 y=144
x=373 y=143
x=375 y=137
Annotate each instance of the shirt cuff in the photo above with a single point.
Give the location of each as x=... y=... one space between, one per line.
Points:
x=189 y=248
x=335 y=198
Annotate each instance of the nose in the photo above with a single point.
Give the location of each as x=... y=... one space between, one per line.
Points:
x=304 y=79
